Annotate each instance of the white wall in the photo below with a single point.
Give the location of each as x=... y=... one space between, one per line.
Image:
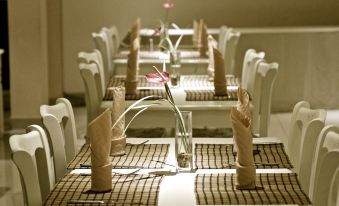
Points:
x=80 y=18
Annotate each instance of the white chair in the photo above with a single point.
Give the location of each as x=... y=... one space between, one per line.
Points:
x=228 y=41
x=93 y=89
x=221 y=38
x=60 y=124
x=31 y=155
x=102 y=44
x=250 y=55
x=95 y=57
x=260 y=78
x=113 y=39
x=267 y=73
x=325 y=169
x=301 y=117
x=307 y=147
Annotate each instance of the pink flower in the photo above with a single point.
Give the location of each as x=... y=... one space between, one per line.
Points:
x=168 y=4
x=162 y=77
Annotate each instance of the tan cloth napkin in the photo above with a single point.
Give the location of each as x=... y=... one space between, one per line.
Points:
x=220 y=86
x=118 y=142
x=244 y=102
x=210 y=68
x=203 y=47
x=135 y=31
x=100 y=134
x=195 y=36
x=245 y=168
x=132 y=69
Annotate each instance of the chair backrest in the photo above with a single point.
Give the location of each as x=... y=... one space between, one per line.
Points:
x=267 y=74
x=60 y=124
x=231 y=43
x=93 y=93
x=253 y=86
x=113 y=39
x=301 y=117
x=102 y=44
x=307 y=147
x=221 y=39
x=248 y=57
x=95 y=57
x=325 y=169
x=31 y=155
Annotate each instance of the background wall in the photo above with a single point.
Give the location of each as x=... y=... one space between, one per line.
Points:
x=80 y=18
x=46 y=35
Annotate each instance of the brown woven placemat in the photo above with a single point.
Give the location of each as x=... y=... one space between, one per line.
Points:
x=204 y=94
x=220 y=156
x=202 y=81
x=137 y=156
x=157 y=89
x=209 y=95
x=140 y=189
x=273 y=188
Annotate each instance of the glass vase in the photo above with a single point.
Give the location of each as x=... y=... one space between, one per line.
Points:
x=175 y=65
x=183 y=142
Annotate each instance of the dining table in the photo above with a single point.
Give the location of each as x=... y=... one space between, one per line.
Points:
x=194 y=93
x=162 y=184
x=190 y=60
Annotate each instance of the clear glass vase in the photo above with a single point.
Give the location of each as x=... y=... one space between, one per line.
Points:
x=175 y=65
x=183 y=142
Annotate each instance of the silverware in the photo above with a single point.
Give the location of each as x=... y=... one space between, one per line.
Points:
x=133 y=144
x=117 y=173
x=104 y=202
x=114 y=166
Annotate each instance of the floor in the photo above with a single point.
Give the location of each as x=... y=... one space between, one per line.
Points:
x=10 y=188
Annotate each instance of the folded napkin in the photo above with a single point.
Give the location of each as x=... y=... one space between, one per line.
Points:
x=195 y=36
x=135 y=30
x=118 y=142
x=131 y=82
x=210 y=69
x=220 y=87
x=100 y=134
x=203 y=47
x=244 y=102
x=245 y=168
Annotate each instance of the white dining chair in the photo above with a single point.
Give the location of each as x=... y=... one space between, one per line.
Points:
x=31 y=155
x=59 y=121
x=227 y=45
x=221 y=38
x=95 y=57
x=249 y=56
x=93 y=89
x=301 y=117
x=102 y=44
x=325 y=169
x=113 y=39
x=267 y=73
x=308 y=145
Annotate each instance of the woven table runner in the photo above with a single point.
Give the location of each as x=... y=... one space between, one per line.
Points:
x=126 y=190
x=221 y=156
x=137 y=156
x=204 y=89
x=273 y=188
x=120 y=81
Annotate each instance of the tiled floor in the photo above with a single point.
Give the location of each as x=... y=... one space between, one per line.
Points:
x=10 y=188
